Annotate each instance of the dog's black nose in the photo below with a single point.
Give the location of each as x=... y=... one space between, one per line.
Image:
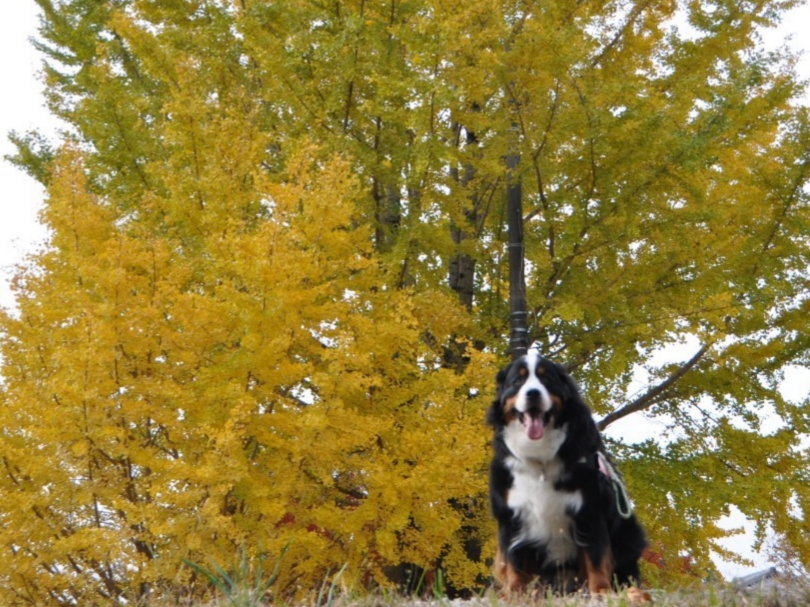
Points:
x=533 y=396
x=533 y=400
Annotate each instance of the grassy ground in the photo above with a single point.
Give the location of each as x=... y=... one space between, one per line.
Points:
x=780 y=594
x=244 y=587
x=705 y=597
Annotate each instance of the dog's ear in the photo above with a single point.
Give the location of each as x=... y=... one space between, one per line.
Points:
x=567 y=387
x=570 y=387
x=495 y=412
x=580 y=422
x=500 y=378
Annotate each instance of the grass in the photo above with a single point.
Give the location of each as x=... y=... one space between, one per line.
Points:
x=250 y=584
x=783 y=594
x=246 y=585
x=710 y=596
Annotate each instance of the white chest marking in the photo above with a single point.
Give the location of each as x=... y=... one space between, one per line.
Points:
x=543 y=511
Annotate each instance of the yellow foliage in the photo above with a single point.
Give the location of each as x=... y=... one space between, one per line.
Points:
x=178 y=400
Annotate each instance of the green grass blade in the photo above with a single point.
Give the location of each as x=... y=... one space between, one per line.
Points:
x=418 y=590
x=213 y=579
x=322 y=590
x=334 y=584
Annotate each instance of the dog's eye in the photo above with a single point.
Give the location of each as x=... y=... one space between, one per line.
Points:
x=518 y=380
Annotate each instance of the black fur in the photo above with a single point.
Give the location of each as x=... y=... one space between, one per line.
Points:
x=597 y=528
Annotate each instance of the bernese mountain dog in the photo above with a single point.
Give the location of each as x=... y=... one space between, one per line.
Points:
x=564 y=519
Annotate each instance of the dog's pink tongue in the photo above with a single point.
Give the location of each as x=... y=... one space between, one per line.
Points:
x=534 y=428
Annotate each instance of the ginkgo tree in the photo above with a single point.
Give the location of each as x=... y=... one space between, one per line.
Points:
x=275 y=293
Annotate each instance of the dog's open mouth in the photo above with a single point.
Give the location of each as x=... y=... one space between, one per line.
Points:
x=535 y=427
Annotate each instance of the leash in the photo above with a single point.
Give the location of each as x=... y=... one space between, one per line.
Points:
x=622 y=501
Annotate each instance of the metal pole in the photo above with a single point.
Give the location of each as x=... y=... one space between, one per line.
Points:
x=519 y=335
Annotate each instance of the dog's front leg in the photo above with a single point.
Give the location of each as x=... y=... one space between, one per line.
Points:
x=590 y=531
x=598 y=568
x=511 y=580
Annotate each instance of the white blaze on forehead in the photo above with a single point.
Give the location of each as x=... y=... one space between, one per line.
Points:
x=532 y=383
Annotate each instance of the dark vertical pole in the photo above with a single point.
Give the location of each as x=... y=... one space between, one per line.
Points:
x=519 y=335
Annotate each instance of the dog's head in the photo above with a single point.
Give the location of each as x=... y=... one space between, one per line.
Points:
x=538 y=409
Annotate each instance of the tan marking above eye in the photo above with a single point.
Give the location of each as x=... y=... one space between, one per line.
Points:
x=523 y=371
x=539 y=370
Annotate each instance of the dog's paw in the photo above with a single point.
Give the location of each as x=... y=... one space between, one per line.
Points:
x=637 y=596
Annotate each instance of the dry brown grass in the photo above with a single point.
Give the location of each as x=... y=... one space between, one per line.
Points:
x=774 y=592
x=705 y=597
x=708 y=597
x=780 y=594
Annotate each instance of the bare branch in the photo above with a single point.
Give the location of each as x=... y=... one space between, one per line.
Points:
x=631 y=20
x=650 y=397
